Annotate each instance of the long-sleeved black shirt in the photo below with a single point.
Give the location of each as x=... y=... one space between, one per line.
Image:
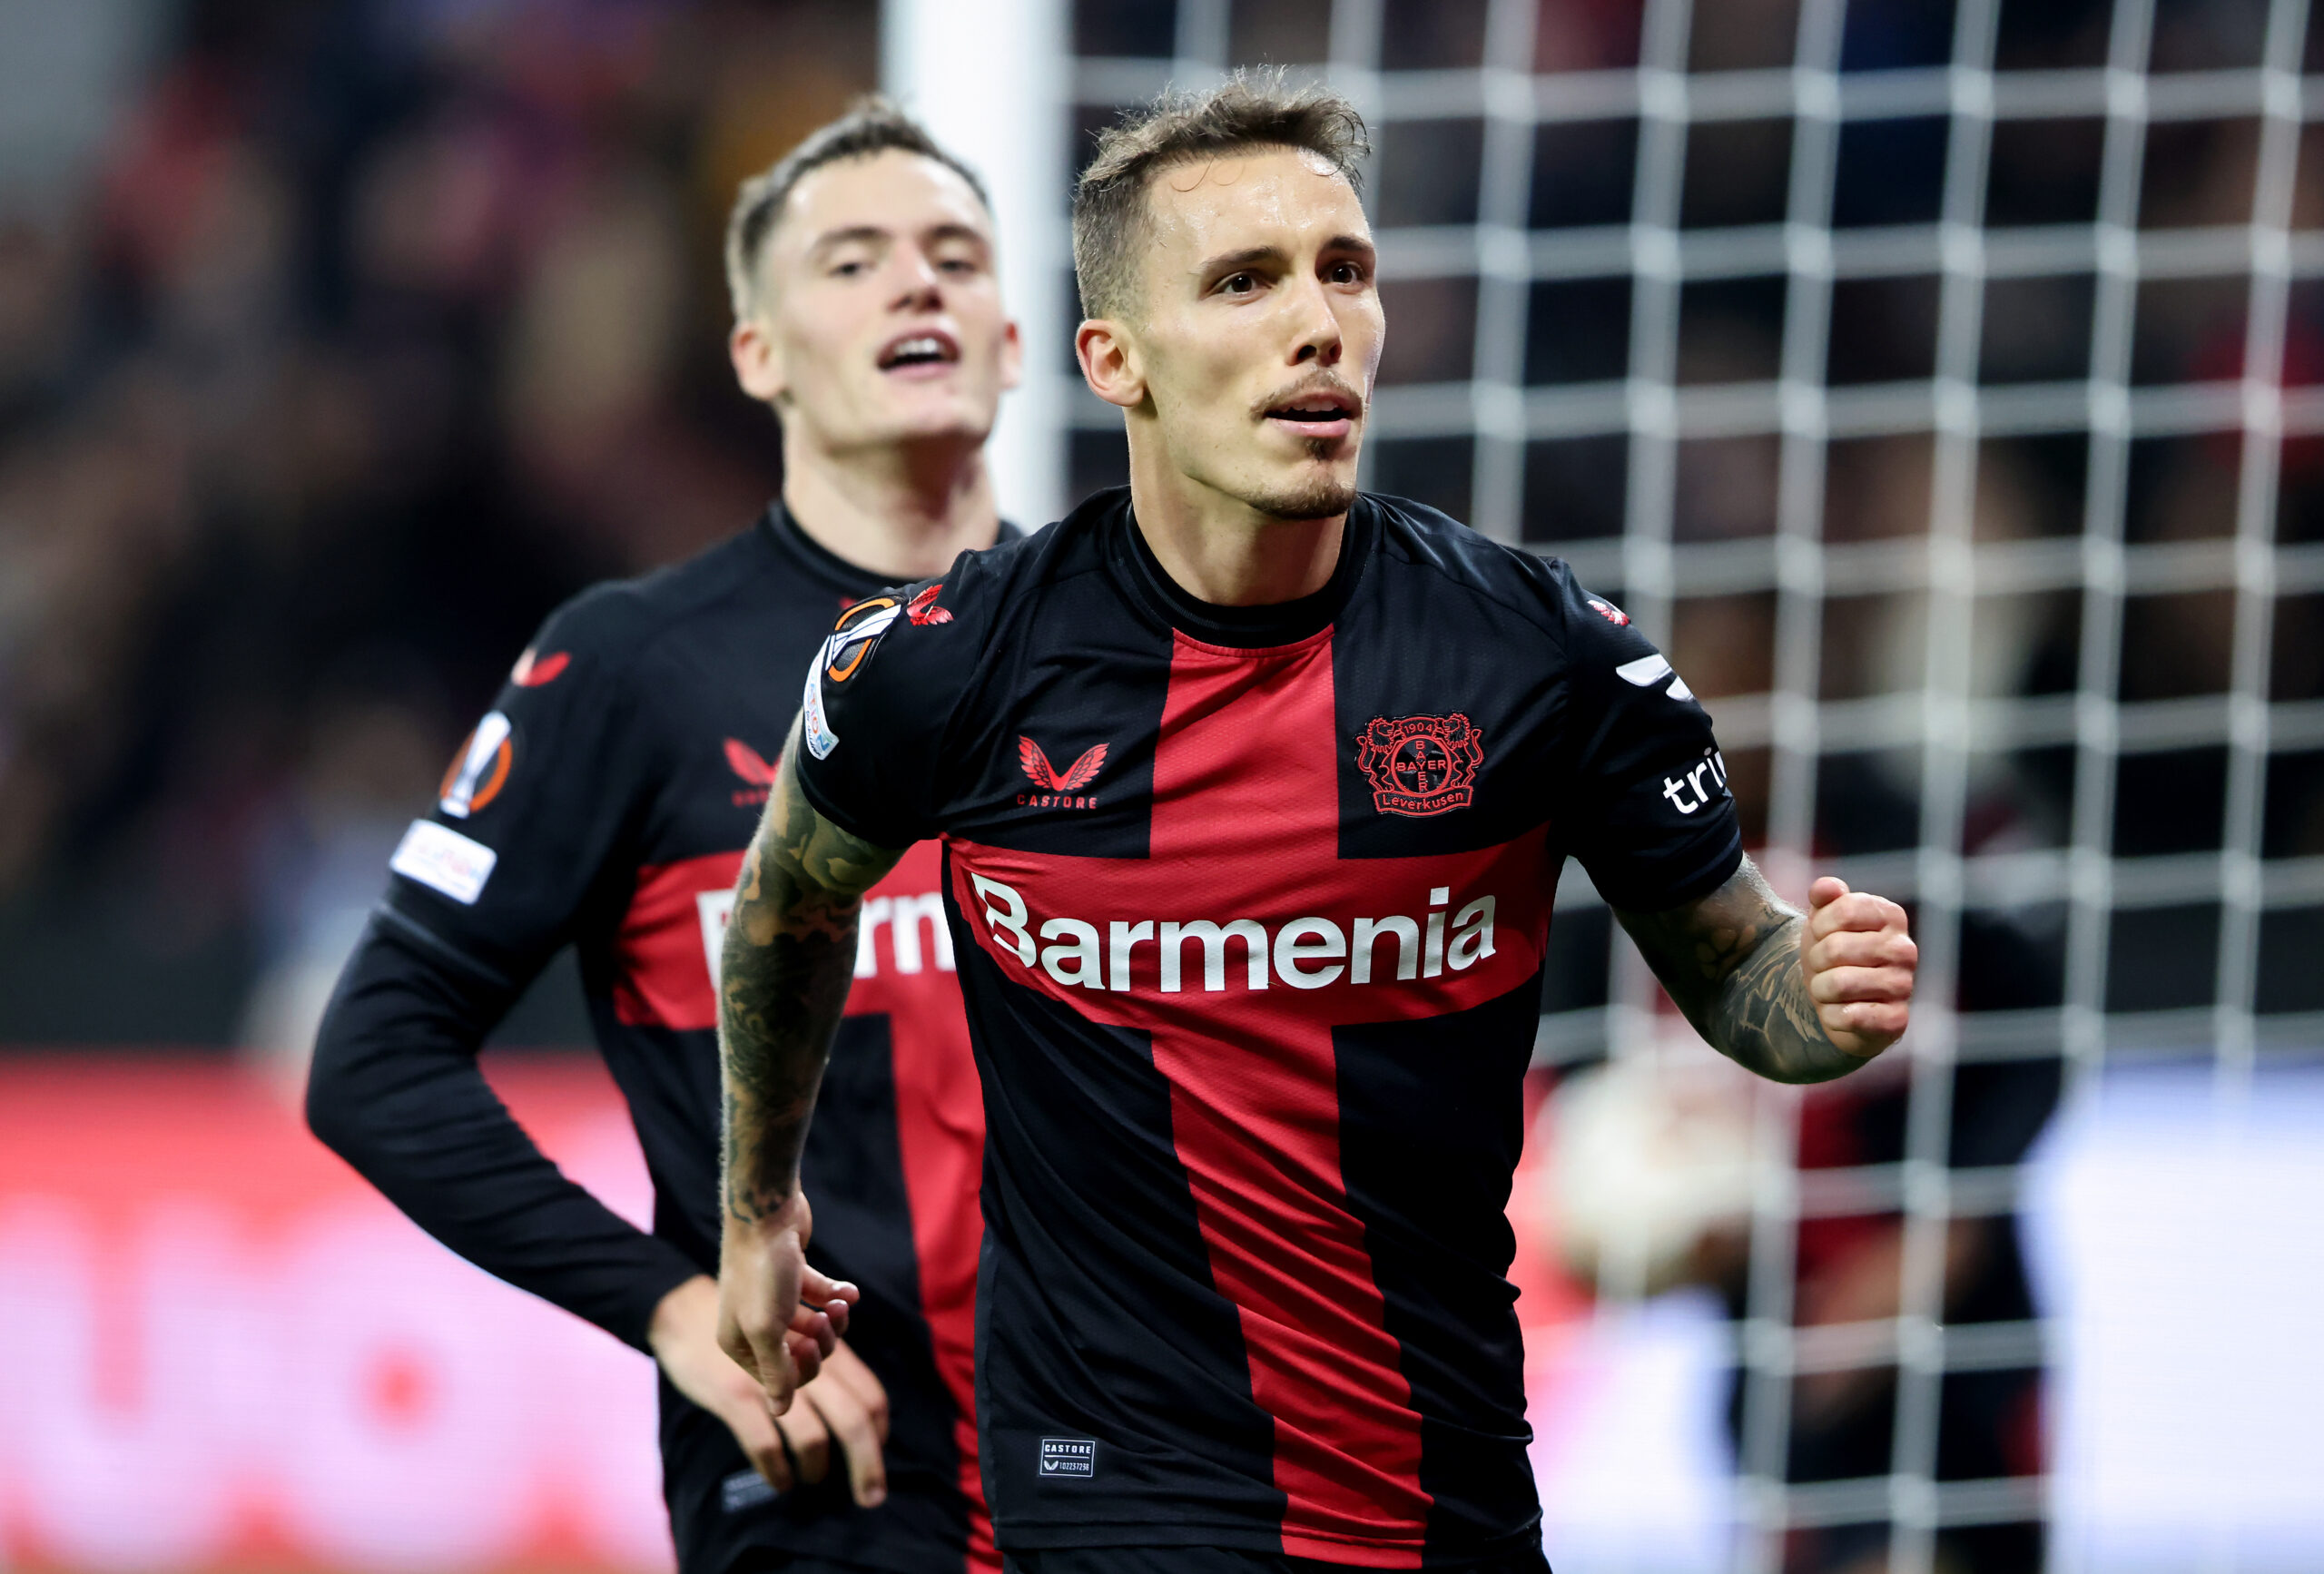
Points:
x=606 y=802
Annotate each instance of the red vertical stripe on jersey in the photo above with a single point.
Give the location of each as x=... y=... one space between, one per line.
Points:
x=939 y=1127
x=1245 y=777
x=663 y=957
x=662 y=951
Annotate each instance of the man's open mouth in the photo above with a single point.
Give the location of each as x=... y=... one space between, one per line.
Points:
x=920 y=350
x=1323 y=412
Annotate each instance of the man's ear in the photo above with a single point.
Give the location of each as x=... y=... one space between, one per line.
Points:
x=757 y=366
x=1013 y=356
x=1110 y=362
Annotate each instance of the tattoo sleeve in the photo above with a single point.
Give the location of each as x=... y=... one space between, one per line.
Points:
x=1731 y=961
x=784 y=976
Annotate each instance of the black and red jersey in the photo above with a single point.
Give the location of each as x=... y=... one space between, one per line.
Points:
x=1250 y=907
x=606 y=802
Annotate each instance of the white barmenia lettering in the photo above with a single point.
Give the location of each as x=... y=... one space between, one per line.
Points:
x=1126 y=936
x=904 y=931
x=1304 y=953
x=1005 y=916
x=1076 y=959
x=1367 y=935
x=1214 y=939
x=713 y=907
x=1471 y=935
x=1292 y=950
x=877 y=911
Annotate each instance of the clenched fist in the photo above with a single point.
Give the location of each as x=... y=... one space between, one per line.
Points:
x=1859 y=962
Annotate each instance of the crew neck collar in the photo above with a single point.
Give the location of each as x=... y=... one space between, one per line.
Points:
x=1278 y=622
x=803 y=553
x=796 y=547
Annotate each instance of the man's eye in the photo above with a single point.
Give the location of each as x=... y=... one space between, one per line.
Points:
x=847 y=270
x=1345 y=273
x=1238 y=284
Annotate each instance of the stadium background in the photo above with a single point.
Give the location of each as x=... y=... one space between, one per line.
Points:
x=1942 y=381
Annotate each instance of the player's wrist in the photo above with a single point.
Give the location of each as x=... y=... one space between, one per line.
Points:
x=689 y=1304
x=766 y=1219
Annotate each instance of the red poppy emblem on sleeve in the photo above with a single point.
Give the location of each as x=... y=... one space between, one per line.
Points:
x=1421 y=765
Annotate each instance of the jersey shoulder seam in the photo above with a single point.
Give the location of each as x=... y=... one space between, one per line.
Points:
x=652 y=607
x=1004 y=569
x=1540 y=617
x=628 y=621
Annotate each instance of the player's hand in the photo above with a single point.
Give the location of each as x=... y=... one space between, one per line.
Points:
x=845 y=1403
x=1859 y=962
x=777 y=1317
x=683 y=1337
x=845 y=1408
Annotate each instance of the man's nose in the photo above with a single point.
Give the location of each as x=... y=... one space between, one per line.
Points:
x=1319 y=341
x=917 y=285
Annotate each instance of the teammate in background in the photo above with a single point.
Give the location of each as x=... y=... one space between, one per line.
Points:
x=1253 y=981
x=606 y=801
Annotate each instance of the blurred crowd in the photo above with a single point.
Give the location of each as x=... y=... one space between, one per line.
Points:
x=357 y=337
x=348 y=338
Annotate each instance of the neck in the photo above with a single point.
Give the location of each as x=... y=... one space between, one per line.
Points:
x=1220 y=549
x=903 y=509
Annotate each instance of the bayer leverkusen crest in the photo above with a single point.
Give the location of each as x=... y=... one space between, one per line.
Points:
x=1422 y=765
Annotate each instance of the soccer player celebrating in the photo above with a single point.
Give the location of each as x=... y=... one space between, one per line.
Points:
x=1253 y=793
x=606 y=801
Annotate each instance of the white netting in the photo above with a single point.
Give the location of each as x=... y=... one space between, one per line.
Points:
x=1923 y=374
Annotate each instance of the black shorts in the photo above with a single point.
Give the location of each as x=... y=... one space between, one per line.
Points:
x=1215 y=1560
x=726 y=1520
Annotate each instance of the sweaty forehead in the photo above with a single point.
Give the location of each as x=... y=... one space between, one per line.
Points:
x=896 y=191
x=1252 y=196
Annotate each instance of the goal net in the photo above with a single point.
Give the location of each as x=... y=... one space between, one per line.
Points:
x=1937 y=380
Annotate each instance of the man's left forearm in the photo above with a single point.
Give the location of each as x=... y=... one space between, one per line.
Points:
x=1733 y=961
x=1760 y=1015
x=784 y=975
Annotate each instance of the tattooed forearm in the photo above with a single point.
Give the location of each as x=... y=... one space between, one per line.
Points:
x=1731 y=961
x=784 y=975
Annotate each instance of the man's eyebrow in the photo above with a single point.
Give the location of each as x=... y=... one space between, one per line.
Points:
x=1351 y=243
x=1249 y=256
x=831 y=238
x=955 y=231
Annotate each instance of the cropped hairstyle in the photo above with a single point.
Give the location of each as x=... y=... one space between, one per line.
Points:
x=1111 y=220
x=871 y=125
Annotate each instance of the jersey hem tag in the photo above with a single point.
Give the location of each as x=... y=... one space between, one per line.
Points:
x=442 y=859
x=1068 y=1456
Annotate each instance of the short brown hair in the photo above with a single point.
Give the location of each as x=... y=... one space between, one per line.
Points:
x=1247 y=110
x=871 y=125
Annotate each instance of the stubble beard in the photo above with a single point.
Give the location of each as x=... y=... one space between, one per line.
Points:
x=1321 y=495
